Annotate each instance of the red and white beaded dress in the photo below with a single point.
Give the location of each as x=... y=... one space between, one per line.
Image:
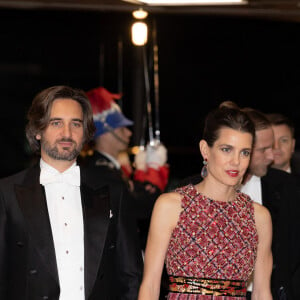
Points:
x=212 y=240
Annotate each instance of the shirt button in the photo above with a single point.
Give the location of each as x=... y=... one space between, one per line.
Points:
x=62 y=197
x=67 y=251
x=66 y=224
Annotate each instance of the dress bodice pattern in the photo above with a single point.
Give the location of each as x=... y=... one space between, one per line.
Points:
x=213 y=239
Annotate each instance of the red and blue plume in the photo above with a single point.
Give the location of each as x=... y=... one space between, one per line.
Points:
x=101 y=99
x=106 y=112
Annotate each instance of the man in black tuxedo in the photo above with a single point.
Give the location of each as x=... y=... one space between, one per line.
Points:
x=61 y=237
x=279 y=191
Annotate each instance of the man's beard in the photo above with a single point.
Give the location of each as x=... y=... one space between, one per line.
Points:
x=69 y=153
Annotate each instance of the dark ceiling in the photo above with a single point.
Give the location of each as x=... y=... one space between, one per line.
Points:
x=276 y=9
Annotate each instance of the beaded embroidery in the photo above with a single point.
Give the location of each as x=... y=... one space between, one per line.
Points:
x=203 y=286
x=213 y=239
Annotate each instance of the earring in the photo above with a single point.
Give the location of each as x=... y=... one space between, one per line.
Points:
x=204 y=168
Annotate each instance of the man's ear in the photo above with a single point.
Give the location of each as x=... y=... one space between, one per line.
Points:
x=294 y=144
x=203 y=148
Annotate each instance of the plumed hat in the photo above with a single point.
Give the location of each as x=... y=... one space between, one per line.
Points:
x=107 y=113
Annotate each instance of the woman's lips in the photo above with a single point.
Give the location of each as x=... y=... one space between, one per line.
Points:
x=232 y=173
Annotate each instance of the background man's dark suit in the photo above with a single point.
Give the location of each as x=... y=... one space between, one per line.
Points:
x=98 y=169
x=28 y=268
x=281 y=195
x=99 y=166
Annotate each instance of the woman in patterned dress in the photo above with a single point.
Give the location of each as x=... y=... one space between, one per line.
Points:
x=211 y=236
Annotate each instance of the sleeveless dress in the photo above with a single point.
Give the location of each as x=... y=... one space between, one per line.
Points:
x=212 y=240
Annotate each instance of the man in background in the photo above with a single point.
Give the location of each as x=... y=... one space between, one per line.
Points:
x=280 y=193
x=144 y=182
x=284 y=144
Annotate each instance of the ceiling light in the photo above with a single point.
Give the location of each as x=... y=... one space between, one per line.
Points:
x=139 y=33
x=140 y=14
x=188 y=2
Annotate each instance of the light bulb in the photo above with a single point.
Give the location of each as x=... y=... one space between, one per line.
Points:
x=140 y=14
x=139 y=33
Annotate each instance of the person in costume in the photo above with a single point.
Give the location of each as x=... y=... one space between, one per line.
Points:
x=211 y=236
x=149 y=176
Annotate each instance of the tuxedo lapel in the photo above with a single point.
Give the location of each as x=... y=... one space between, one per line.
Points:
x=271 y=192
x=96 y=215
x=265 y=191
x=32 y=202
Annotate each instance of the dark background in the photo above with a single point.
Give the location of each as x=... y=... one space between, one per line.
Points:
x=203 y=60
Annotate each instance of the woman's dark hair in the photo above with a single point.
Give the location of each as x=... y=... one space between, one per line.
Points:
x=39 y=113
x=227 y=115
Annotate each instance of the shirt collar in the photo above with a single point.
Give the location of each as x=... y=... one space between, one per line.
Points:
x=112 y=159
x=45 y=165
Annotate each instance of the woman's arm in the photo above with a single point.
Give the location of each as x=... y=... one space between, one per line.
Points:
x=264 y=260
x=164 y=218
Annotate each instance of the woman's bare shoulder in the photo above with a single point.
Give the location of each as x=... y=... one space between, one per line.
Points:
x=168 y=204
x=169 y=199
x=262 y=214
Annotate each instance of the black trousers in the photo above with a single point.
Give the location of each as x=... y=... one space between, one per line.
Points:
x=248 y=296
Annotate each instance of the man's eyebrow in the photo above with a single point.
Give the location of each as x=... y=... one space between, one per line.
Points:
x=59 y=119
x=78 y=120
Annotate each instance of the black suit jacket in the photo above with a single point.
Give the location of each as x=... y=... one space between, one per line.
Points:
x=281 y=195
x=98 y=168
x=28 y=267
x=139 y=200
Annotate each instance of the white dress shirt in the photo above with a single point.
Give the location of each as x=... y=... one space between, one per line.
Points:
x=253 y=189
x=65 y=213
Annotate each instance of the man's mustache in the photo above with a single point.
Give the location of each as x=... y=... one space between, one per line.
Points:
x=66 y=140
